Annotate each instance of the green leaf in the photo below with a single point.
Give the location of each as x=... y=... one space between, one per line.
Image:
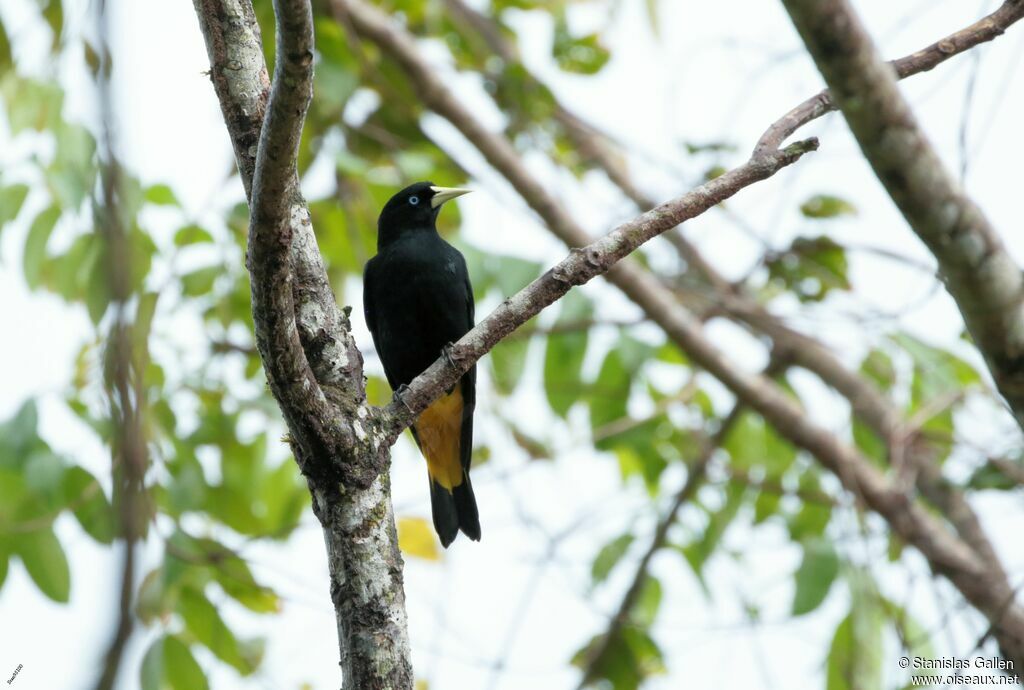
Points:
x=812 y=518
x=627 y=659
x=565 y=352
x=508 y=360
x=151 y=602
x=35 y=245
x=19 y=431
x=44 y=476
x=169 y=665
x=53 y=13
x=85 y=497
x=714 y=171
x=582 y=54
x=200 y=281
x=97 y=289
x=939 y=371
x=823 y=206
x=285 y=496
x=646 y=653
x=855 y=655
x=914 y=637
x=46 y=563
x=92 y=58
x=191 y=234
x=698 y=552
x=72 y=174
x=536 y=448
x=161 y=195
x=180 y=667
x=753 y=443
x=236 y=579
x=694 y=147
x=144 y=322
x=151 y=673
x=645 y=610
x=142 y=249
x=6 y=59
x=878 y=368
x=609 y=394
x=203 y=620
x=511 y=273
x=11 y=199
x=32 y=104
x=607 y=558
x=868 y=442
x=814 y=578
x=992 y=476
x=766 y=505
x=811 y=267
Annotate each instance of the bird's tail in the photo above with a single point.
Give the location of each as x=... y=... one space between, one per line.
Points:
x=454 y=509
x=441 y=433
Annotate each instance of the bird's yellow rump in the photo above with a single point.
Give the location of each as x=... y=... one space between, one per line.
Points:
x=439 y=433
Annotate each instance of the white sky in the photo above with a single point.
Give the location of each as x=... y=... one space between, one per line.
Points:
x=719 y=71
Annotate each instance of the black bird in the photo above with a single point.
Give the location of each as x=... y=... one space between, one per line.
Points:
x=417 y=299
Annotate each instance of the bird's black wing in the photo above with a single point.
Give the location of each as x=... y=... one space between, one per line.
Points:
x=371 y=309
x=468 y=379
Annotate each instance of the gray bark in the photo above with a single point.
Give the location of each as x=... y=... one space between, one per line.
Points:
x=311 y=360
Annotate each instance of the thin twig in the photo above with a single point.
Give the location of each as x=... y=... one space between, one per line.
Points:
x=985 y=29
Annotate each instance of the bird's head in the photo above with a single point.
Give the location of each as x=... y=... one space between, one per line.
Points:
x=415 y=207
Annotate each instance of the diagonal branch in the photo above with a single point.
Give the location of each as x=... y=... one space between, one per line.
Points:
x=978 y=271
x=985 y=29
x=579 y=267
x=867 y=403
x=879 y=413
x=946 y=553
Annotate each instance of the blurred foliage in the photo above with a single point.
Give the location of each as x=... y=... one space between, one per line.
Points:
x=220 y=478
x=810 y=268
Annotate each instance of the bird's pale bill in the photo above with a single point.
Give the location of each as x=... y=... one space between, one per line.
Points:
x=443 y=194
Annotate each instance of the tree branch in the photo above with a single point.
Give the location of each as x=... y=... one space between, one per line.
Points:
x=274 y=187
x=982 y=31
x=879 y=413
x=868 y=404
x=589 y=142
x=242 y=85
x=979 y=273
x=312 y=363
x=945 y=553
x=866 y=401
x=579 y=267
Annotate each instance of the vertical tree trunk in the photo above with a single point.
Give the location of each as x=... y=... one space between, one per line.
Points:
x=366 y=585
x=312 y=364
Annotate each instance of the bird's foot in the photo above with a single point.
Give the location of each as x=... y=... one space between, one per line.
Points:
x=448 y=352
x=399 y=394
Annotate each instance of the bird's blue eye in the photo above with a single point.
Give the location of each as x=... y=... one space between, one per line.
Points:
x=414 y=200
